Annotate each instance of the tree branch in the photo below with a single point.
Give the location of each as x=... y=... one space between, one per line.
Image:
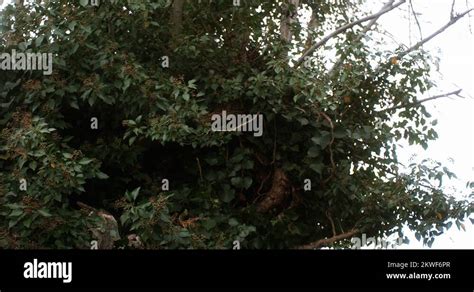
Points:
x=422 y=42
x=359 y=37
x=452 y=8
x=421 y=101
x=326 y=241
x=416 y=19
x=344 y=28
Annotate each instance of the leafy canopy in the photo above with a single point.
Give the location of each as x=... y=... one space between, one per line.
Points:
x=329 y=127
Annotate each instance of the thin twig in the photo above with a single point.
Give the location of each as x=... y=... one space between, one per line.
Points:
x=274 y=140
x=263 y=183
x=416 y=19
x=452 y=9
x=199 y=167
x=328 y=215
x=331 y=156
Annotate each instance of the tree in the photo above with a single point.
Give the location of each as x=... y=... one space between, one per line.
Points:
x=123 y=124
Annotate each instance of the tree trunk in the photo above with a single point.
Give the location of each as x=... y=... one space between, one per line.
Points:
x=290 y=14
x=176 y=21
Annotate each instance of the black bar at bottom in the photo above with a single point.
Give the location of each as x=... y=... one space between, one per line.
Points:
x=423 y=269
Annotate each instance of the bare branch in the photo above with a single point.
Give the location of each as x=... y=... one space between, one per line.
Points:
x=452 y=9
x=407 y=105
x=344 y=28
x=422 y=42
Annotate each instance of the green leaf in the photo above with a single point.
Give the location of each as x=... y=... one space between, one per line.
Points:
x=209 y=224
x=85 y=161
x=314 y=152
x=318 y=167
x=340 y=133
x=323 y=140
x=124 y=218
x=246 y=182
x=21 y=162
x=39 y=40
x=211 y=161
x=186 y=96
x=417 y=236
x=247 y=164
x=126 y=84
x=44 y=213
x=134 y=193
x=67 y=155
x=84 y=3
x=33 y=165
x=303 y=121
x=236 y=181
x=228 y=194
x=16 y=212
x=102 y=175
x=85 y=94
x=184 y=233
x=233 y=222
x=74 y=104
x=71 y=25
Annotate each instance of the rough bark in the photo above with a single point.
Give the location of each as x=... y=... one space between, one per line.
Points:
x=278 y=194
x=289 y=17
x=312 y=25
x=106 y=232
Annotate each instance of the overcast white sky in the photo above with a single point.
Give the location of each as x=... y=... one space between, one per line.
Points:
x=455 y=47
x=455 y=116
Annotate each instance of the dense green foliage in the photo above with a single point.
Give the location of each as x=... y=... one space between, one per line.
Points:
x=154 y=124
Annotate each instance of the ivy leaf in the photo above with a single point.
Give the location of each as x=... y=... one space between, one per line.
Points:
x=228 y=194
x=314 y=152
